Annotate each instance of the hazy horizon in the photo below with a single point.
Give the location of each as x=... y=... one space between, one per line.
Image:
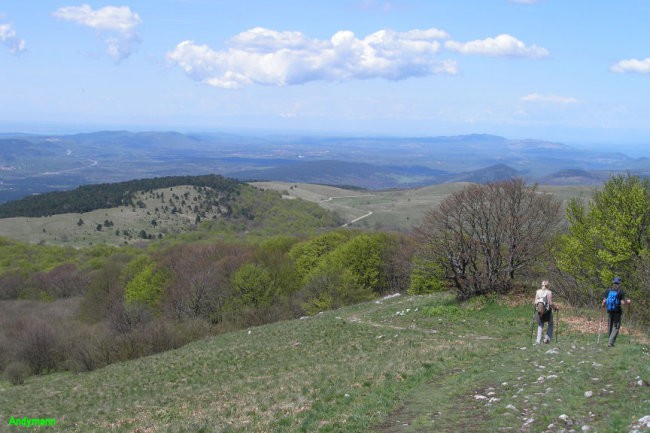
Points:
x=345 y=67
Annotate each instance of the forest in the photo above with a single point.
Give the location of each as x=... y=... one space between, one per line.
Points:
x=268 y=259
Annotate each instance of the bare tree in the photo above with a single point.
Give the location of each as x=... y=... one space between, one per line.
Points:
x=485 y=235
x=201 y=275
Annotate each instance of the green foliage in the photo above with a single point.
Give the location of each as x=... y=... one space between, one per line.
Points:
x=32 y=258
x=362 y=257
x=426 y=277
x=280 y=244
x=253 y=284
x=444 y=310
x=344 y=269
x=308 y=254
x=331 y=287
x=148 y=282
x=608 y=237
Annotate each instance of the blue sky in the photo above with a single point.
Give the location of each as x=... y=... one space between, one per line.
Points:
x=572 y=71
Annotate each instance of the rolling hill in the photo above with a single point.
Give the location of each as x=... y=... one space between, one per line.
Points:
x=33 y=164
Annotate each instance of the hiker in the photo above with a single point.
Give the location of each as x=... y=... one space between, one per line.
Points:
x=613 y=300
x=544 y=312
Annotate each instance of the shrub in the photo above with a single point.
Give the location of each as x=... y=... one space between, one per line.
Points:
x=35 y=345
x=17 y=372
x=11 y=284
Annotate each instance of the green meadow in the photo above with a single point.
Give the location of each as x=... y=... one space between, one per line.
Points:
x=397 y=364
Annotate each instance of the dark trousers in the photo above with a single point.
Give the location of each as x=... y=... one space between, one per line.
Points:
x=614 y=322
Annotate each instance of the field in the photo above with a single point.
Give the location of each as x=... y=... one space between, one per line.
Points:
x=399 y=364
x=399 y=208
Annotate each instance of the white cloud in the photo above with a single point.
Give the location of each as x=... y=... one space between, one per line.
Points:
x=9 y=38
x=633 y=65
x=268 y=57
x=115 y=25
x=555 y=99
x=501 y=46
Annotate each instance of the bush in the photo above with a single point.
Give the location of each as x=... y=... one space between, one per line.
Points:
x=35 y=344
x=10 y=285
x=17 y=372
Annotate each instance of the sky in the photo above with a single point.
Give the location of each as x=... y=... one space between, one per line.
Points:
x=574 y=71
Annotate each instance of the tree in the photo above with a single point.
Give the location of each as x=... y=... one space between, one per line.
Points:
x=253 y=284
x=484 y=236
x=200 y=278
x=608 y=236
x=147 y=285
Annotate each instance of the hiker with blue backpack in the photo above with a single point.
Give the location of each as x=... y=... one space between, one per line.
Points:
x=544 y=307
x=613 y=301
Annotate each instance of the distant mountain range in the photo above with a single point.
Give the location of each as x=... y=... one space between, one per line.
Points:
x=31 y=164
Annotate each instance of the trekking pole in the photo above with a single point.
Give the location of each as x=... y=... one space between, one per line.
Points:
x=629 y=323
x=532 y=326
x=557 y=324
x=600 y=324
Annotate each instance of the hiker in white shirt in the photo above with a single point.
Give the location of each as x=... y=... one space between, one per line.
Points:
x=544 y=312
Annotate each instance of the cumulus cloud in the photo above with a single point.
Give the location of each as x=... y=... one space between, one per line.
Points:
x=555 y=99
x=633 y=65
x=501 y=46
x=268 y=57
x=116 y=26
x=9 y=39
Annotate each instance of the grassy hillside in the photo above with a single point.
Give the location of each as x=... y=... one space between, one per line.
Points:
x=395 y=208
x=400 y=364
x=157 y=213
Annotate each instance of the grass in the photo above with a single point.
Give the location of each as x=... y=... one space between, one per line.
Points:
x=400 y=364
x=397 y=208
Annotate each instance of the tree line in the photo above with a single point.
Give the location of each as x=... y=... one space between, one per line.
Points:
x=87 y=198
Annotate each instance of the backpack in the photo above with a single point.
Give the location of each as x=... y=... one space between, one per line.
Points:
x=613 y=301
x=541 y=305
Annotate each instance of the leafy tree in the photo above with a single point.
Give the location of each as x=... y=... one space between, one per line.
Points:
x=147 y=285
x=608 y=236
x=485 y=235
x=332 y=287
x=253 y=284
x=426 y=277
x=362 y=256
x=308 y=254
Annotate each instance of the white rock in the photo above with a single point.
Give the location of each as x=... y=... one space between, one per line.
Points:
x=585 y=428
x=589 y=393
